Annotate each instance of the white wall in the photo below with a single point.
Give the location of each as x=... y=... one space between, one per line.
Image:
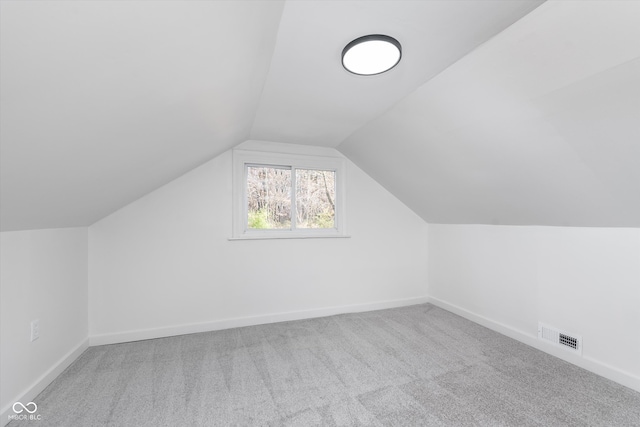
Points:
x=164 y=265
x=582 y=280
x=43 y=275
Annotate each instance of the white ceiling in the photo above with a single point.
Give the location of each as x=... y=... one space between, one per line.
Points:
x=310 y=99
x=102 y=102
x=539 y=126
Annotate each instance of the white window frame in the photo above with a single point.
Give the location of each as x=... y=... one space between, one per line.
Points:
x=244 y=158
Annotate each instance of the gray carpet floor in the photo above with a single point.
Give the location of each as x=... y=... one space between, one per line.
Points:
x=412 y=366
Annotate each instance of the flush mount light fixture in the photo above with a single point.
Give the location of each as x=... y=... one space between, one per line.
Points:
x=372 y=54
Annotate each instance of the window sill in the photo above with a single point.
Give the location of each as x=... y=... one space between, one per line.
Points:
x=293 y=236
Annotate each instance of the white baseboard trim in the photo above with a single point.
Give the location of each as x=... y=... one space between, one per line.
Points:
x=45 y=379
x=597 y=367
x=216 y=325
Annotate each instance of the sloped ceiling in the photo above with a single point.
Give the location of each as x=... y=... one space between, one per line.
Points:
x=310 y=99
x=541 y=125
x=105 y=101
x=505 y=112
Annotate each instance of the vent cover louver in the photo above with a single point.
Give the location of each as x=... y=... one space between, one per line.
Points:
x=559 y=338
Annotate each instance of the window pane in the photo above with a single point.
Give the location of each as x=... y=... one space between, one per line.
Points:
x=268 y=197
x=315 y=198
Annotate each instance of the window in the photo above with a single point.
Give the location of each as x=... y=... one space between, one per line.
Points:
x=287 y=196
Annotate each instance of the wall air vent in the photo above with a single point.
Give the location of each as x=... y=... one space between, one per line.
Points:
x=560 y=338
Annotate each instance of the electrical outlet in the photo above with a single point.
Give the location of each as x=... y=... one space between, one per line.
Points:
x=35 y=329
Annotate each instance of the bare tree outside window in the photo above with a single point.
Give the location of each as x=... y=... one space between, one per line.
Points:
x=269 y=198
x=315 y=198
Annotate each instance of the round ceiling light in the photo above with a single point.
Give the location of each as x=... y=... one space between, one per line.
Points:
x=372 y=54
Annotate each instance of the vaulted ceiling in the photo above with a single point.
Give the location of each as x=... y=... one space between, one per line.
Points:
x=500 y=112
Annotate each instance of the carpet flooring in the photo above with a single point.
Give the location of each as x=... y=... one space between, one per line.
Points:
x=411 y=366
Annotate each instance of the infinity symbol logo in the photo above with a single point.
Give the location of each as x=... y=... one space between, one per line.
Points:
x=24 y=407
